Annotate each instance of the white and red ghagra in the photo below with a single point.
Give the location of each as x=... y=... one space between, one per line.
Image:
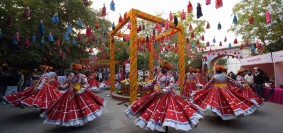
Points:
x=76 y=106
x=157 y=110
x=41 y=96
x=247 y=92
x=189 y=85
x=219 y=97
x=94 y=85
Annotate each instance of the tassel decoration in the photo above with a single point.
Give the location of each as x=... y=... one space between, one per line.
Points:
x=207 y=43
x=42 y=40
x=235 y=20
x=192 y=34
x=207 y=25
x=113 y=26
x=50 y=38
x=235 y=41
x=225 y=39
x=26 y=13
x=251 y=20
x=199 y=12
x=69 y=30
x=219 y=26
x=202 y=37
x=166 y=25
x=80 y=23
x=88 y=32
x=220 y=44
x=183 y=15
x=103 y=11
x=27 y=42
x=214 y=40
x=190 y=7
x=74 y=42
x=55 y=18
x=190 y=27
x=267 y=16
x=218 y=4
x=171 y=16
x=120 y=19
x=66 y=37
x=257 y=44
x=41 y=28
x=207 y=2
x=175 y=21
x=33 y=38
x=112 y=6
x=96 y=24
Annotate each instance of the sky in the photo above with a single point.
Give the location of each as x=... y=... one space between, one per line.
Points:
x=223 y=15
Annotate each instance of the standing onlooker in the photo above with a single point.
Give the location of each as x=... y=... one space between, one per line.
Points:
x=249 y=77
x=21 y=82
x=3 y=82
x=258 y=80
x=13 y=79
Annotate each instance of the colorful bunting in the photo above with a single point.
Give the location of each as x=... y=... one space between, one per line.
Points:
x=207 y=2
x=41 y=28
x=235 y=20
x=202 y=37
x=55 y=18
x=235 y=41
x=219 y=26
x=251 y=19
x=33 y=38
x=207 y=25
x=183 y=15
x=26 y=13
x=175 y=21
x=69 y=31
x=50 y=38
x=88 y=32
x=230 y=45
x=120 y=19
x=220 y=43
x=66 y=37
x=171 y=16
x=207 y=43
x=96 y=24
x=190 y=27
x=267 y=16
x=214 y=40
x=80 y=23
x=225 y=39
x=74 y=42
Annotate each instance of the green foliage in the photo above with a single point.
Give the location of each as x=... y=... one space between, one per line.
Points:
x=259 y=30
x=222 y=62
x=68 y=11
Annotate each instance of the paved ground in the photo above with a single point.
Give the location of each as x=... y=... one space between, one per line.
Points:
x=268 y=119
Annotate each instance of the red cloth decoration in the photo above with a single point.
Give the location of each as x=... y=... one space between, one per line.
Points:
x=207 y=25
x=218 y=3
x=202 y=37
x=96 y=24
x=251 y=19
x=103 y=12
x=190 y=27
x=125 y=15
x=235 y=41
x=120 y=19
x=225 y=39
x=183 y=15
x=190 y=7
x=220 y=44
x=192 y=34
x=88 y=32
x=170 y=16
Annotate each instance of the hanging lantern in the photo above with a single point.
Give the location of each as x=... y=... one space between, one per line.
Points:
x=33 y=38
x=188 y=40
x=74 y=42
x=120 y=19
x=202 y=37
x=26 y=13
x=207 y=25
x=199 y=11
x=207 y=43
x=183 y=15
x=220 y=43
x=192 y=35
x=230 y=45
x=225 y=39
x=41 y=27
x=219 y=26
x=113 y=26
x=251 y=20
x=214 y=40
x=190 y=27
x=112 y=6
x=166 y=25
x=241 y=46
x=171 y=16
x=235 y=20
x=267 y=16
x=247 y=42
x=80 y=23
x=207 y=2
x=175 y=21
x=88 y=32
x=86 y=3
x=96 y=24
x=218 y=4
x=103 y=11
x=69 y=30
x=235 y=41
x=190 y=7
x=55 y=18
x=27 y=42
x=50 y=38
x=197 y=42
x=66 y=37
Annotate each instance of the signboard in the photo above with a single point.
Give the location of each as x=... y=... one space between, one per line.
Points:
x=127 y=67
x=260 y=59
x=277 y=56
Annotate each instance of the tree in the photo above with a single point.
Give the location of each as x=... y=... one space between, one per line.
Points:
x=69 y=11
x=259 y=29
x=222 y=62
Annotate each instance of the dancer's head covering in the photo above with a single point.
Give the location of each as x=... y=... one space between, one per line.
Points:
x=43 y=67
x=77 y=66
x=240 y=71
x=197 y=70
x=191 y=69
x=167 y=65
x=218 y=68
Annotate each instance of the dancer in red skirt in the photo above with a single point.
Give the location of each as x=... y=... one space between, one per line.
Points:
x=247 y=91
x=53 y=78
x=163 y=108
x=219 y=97
x=77 y=106
x=41 y=96
x=94 y=85
x=189 y=83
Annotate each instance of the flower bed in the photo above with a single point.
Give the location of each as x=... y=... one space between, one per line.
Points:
x=125 y=89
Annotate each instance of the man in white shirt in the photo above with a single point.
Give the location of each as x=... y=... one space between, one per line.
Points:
x=249 y=77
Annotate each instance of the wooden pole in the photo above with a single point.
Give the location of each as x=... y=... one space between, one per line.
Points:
x=181 y=51
x=112 y=64
x=150 y=60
